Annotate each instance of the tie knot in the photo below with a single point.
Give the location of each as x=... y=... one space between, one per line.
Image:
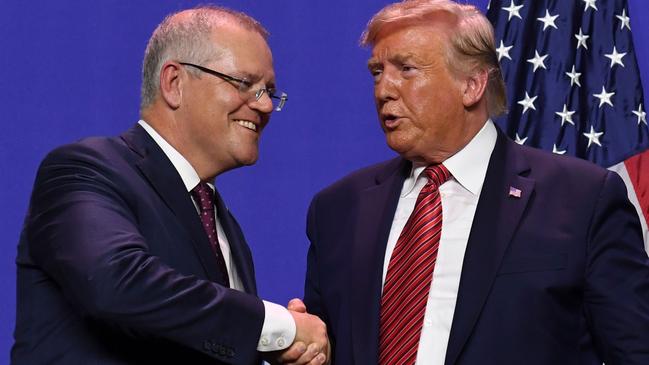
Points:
x=437 y=174
x=204 y=196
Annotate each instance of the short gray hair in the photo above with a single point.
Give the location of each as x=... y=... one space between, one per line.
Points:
x=184 y=36
x=472 y=45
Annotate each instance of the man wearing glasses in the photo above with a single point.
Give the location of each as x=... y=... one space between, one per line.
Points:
x=129 y=255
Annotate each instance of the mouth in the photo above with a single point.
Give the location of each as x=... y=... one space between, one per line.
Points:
x=390 y=120
x=246 y=124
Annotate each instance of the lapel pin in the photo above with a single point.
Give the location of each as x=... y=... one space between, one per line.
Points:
x=516 y=193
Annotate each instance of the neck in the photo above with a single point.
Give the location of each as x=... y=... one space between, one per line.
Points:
x=169 y=128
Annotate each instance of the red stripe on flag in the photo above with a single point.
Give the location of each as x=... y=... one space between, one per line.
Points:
x=638 y=168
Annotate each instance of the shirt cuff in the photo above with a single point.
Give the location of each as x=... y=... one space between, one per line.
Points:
x=278 y=331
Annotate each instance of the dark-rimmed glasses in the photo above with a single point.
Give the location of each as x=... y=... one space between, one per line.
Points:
x=278 y=98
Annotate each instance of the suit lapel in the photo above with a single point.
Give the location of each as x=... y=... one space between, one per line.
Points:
x=497 y=216
x=238 y=248
x=164 y=179
x=376 y=207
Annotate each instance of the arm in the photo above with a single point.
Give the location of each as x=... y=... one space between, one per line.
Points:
x=312 y=298
x=84 y=234
x=617 y=279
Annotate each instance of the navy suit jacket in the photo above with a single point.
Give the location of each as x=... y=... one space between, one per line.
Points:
x=114 y=266
x=558 y=275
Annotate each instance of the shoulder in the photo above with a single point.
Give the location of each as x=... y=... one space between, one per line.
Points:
x=364 y=178
x=545 y=165
x=97 y=164
x=91 y=149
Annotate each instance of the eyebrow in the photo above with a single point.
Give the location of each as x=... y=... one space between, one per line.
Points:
x=253 y=79
x=373 y=63
x=397 y=58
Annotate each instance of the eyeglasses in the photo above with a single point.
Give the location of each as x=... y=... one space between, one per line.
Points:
x=278 y=98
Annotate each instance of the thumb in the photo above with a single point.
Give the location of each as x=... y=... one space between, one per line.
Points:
x=296 y=305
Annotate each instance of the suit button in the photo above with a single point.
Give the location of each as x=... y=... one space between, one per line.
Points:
x=207 y=346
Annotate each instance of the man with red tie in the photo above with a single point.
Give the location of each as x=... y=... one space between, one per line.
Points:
x=469 y=248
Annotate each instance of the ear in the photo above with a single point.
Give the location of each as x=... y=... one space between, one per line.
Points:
x=171 y=84
x=474 y=87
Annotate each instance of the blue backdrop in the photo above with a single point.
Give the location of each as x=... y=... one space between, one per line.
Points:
x=70 y=69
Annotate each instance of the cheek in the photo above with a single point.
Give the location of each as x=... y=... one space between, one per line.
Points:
x=437 y=102
x=222 y=102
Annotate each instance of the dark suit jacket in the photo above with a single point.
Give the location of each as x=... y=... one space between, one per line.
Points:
x=114 y=266
x=557 y=276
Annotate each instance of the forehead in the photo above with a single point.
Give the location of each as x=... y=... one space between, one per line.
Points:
x=420 y=41
x=242 y=50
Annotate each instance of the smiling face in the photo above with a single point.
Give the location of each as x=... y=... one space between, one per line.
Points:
x=418 y=98
x=219 y=127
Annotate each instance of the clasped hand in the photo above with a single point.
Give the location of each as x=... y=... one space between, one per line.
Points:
x=311 y=345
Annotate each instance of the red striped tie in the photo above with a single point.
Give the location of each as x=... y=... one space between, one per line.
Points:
x=410 y=272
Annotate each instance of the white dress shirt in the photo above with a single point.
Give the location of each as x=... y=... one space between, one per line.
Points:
x=278 y=330
x=459 y=196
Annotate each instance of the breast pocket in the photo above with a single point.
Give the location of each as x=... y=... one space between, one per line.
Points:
x=524 y=264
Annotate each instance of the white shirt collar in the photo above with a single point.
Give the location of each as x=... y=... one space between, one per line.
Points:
x=468 y=166
x=187 y=173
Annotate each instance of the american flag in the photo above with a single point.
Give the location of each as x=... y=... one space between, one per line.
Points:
x=574 y=86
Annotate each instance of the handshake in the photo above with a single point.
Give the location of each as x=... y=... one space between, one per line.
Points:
x=311 y=345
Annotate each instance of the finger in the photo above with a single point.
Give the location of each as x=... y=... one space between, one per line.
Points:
x=312 y=351
x=318 y=360
x=297 y=305
x=293 y=352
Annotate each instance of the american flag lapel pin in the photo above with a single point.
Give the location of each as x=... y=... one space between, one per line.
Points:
x=516 y=193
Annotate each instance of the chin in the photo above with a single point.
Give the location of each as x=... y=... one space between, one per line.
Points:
x=399 y=146
x=407 y=152
x=249 y=159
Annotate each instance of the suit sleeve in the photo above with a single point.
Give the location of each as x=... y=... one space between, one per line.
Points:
x=312 y=293
x=312 y=298
x=83 y=233
x=617 y=279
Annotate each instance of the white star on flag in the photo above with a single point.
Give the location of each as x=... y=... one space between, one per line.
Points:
x=566 y=115
x=557 y=151
x=624 y=19
x=593 y=137
x=604 y=97
x=520 y=140
x=528 y=103
x=548 y=20
x=574 y=76
x=616 y=58
x=503 y=51
x=537 y=61
x=590 y=4
x=513 y=10
x=581 y=39
x=642 y=116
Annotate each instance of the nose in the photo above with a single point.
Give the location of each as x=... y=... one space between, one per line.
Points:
x=385 y=88
x=264 y=104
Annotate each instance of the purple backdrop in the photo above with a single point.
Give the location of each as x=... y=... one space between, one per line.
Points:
x=71 y=69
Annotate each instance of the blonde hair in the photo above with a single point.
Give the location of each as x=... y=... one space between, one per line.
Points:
x=472 y=44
